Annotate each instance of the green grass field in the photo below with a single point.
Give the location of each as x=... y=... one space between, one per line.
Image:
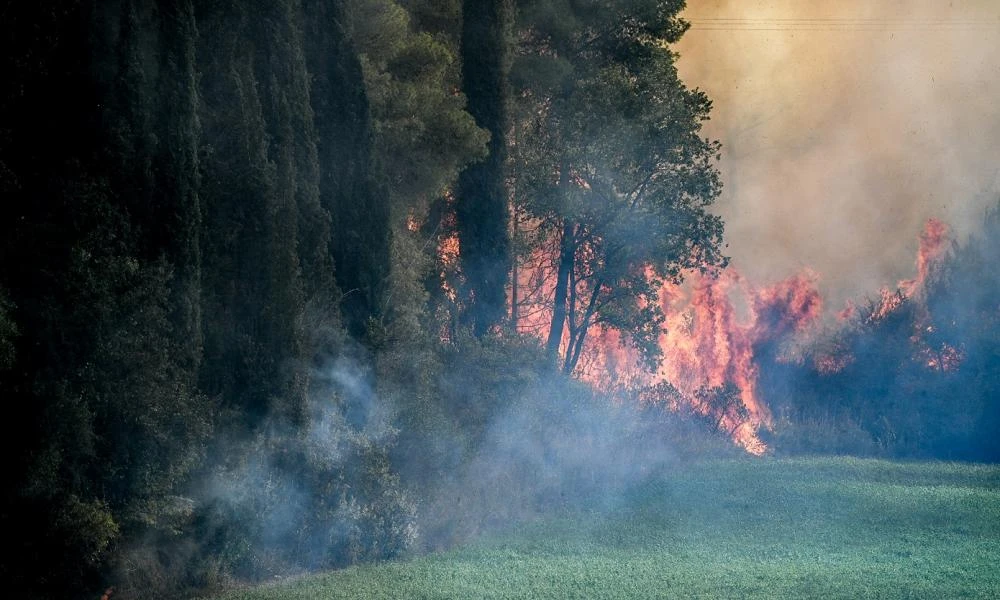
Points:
x=766 y=528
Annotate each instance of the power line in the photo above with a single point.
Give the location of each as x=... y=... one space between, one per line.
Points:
x=842 y=24
x=850 y=19
x=846 y=29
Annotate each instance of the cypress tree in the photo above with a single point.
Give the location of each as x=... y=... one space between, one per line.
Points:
x=103 y=277
x=481 y=207
x=360 y=239
x=176 y=174
x=254 y=292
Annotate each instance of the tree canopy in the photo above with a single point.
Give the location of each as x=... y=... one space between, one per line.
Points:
x=611 y=165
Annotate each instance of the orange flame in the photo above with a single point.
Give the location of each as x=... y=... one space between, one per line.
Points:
x=933 y=245
x=708 y=343
x=705 y=343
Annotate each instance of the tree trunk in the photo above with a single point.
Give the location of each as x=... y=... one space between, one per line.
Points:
x=567 y=252
x=575 y=348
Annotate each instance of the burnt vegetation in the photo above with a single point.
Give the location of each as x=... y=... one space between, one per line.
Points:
x=910 y=374
x=255 y=261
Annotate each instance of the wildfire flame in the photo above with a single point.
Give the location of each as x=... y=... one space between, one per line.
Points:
x=933 y=246
x=932 y=249
x=706 y=343
x=713 y=331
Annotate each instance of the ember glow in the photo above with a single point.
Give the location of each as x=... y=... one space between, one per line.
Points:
x=716 y=327
x=706 y=341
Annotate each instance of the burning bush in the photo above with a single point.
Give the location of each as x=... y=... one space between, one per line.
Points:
x=907 y=374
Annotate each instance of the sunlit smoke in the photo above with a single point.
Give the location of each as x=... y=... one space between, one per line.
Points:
x=845 y=126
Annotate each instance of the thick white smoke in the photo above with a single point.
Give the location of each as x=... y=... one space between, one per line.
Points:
x=846 y=125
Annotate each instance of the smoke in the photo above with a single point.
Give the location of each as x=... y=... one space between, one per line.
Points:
x=556 y=445
x=361 y=410
x=366 y=477
x=313 y=492
x=500 y=437
x=845 y=126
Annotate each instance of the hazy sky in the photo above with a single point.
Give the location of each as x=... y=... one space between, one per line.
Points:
x=846 y=124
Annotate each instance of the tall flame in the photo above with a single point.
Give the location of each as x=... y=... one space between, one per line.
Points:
x=931 y=252
x=706 y=343
x=715 y=329
x=933 y=246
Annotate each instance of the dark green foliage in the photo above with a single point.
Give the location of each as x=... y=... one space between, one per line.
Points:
x=422 y=137
x=288 y=195
x=101 y=263
x=8 y=333
x=422 y=134
x=481 y=195
x=253 y=286
x=168 y=285
x=360 y=240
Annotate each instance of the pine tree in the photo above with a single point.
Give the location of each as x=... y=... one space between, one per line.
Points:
x=611 y=165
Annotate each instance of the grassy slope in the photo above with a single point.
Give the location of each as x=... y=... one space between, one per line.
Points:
x=803 y=528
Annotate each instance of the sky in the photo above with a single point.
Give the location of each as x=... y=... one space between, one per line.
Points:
x=845 y=126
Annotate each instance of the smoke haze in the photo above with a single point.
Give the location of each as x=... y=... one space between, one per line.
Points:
x=845 y=126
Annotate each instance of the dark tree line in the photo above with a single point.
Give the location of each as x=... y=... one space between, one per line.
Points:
x=219 y=265
x=179 y=180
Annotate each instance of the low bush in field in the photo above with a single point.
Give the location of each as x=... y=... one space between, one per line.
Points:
x=818 y=437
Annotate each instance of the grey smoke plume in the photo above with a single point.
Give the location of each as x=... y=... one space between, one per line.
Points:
x=845 y=126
